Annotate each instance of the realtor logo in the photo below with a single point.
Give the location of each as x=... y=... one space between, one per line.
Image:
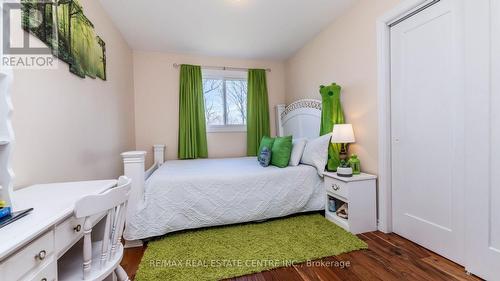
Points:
x=20 y=50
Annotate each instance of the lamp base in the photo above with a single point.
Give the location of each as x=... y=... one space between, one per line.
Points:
x=343 y=151
x=343 y=156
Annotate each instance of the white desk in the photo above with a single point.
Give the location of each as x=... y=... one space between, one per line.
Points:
x=49 y=229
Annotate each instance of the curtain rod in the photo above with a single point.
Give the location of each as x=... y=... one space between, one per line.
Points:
x=176 y=65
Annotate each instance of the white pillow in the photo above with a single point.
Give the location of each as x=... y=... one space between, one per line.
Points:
x=316 y=153
x=297 y=150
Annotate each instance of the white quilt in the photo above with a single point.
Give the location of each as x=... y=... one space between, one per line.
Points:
x=186 y=194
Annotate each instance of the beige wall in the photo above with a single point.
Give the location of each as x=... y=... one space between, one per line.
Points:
x=345 y=53
x=68 y=128
x=156 y=84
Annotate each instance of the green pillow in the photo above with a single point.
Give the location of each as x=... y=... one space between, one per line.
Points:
x=266 y=142
x=281 y=151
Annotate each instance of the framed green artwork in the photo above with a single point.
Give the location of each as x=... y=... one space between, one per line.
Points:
x=62 y=25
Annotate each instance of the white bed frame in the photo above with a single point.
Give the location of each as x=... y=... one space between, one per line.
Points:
x=301 y=119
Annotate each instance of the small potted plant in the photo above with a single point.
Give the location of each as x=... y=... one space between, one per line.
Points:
x=344 y=170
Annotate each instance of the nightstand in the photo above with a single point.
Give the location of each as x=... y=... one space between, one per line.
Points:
x=359 y=192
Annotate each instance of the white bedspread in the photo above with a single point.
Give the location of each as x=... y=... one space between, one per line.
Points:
x=186 y=194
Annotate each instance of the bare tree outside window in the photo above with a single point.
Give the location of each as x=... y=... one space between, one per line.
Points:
x=225 y=101
x=236 y=95
x=214 y=103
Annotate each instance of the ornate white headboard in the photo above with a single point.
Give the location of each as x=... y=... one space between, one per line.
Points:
x=301 y=119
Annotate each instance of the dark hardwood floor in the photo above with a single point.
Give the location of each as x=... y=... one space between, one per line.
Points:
x=389 y=257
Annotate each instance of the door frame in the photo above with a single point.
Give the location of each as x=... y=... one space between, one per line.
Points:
x=384 y=108
x=480 y=86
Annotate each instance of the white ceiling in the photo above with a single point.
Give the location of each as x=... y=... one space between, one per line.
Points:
x=256 y=29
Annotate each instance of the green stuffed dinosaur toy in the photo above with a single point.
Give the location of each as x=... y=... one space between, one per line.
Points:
x=331 y=114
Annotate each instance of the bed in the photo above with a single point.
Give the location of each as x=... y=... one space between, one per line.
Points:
x=186 y=194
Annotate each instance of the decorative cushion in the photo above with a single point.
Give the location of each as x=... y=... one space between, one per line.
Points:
x=298 y=146
x=282 y=148
x=265 y=157
x=266 y=142
x=316 y=153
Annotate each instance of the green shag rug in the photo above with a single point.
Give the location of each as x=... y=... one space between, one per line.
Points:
x=231 y=251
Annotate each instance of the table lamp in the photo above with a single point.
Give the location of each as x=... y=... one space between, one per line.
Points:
x=344 y=135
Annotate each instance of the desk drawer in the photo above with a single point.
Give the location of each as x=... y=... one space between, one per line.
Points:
x=48 y=273
x=67 y=233
x=337 y=187
x=31 y=258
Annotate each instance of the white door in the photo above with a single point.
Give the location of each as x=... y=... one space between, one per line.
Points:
x=483 y=142
x=427 y=123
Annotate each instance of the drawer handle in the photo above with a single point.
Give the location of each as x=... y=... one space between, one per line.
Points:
x=336 y=187
x=77 y=228
x=42 y=255
x=44 y=279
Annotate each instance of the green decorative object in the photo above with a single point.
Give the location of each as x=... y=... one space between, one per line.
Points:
x=331 y=114
x=192 y=128
x=257 y=110
x=72 y=39
x=355 y=164
x=266 y=142
x=282 y=148
x=224 y=252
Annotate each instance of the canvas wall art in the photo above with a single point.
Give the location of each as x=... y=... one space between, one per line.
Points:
x=63 y=26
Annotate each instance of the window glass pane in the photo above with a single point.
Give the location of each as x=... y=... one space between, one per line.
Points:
x=214 y=101
x=236 y=102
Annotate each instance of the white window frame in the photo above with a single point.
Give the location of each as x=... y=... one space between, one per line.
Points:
x=225 y=75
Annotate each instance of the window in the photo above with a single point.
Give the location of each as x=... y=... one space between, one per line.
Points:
x=225 y=94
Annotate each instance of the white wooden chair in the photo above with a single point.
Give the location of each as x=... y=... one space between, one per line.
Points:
x=100 y=259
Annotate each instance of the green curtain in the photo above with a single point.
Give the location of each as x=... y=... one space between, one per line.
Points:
x=257 y=110
x=192 y=128
x=331 y=114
